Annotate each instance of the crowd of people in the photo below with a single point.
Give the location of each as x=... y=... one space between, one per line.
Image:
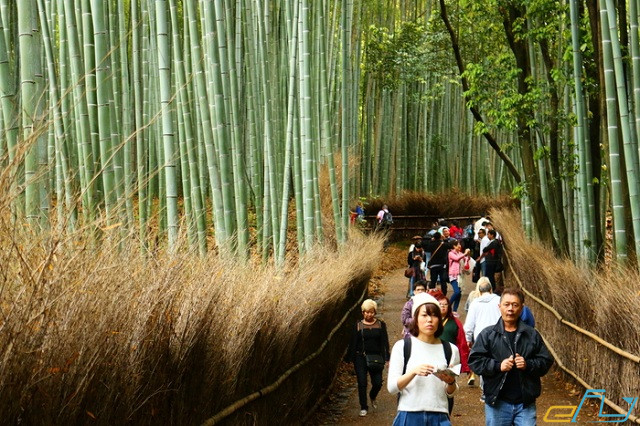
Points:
x=497 y=348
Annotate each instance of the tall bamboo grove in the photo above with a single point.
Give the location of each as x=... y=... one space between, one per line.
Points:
x=153 y=119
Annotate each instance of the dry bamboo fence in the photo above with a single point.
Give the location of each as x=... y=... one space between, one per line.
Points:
x=589 y=322
x=232 y=408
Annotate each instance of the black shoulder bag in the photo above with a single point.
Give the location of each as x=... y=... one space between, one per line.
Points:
x=375 y=362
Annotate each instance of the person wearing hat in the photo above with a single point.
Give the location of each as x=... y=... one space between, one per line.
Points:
x=423 y=391
x=414 y=240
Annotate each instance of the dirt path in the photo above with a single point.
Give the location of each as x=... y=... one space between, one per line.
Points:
x=343 y=408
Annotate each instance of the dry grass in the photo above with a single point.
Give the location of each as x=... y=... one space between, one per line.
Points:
x=101 y=334
x=450 y=204
x=605 y=304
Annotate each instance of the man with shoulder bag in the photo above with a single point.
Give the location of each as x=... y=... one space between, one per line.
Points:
x=438 y=262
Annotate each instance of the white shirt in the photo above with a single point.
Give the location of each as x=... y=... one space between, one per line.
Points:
x=483 y=243
x=423 y=393
x=483 y=312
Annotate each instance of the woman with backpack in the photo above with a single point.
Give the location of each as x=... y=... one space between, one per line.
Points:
x=419 y=369
x=369 y=353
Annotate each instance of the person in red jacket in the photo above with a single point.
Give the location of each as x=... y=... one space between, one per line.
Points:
x=453 y=333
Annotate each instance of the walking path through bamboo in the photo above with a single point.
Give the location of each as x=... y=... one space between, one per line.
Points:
x=468 y=410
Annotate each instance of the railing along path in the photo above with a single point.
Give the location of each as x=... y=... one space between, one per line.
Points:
x=582 y=331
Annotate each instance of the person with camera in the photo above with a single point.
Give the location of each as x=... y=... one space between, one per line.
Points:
x=416 y=267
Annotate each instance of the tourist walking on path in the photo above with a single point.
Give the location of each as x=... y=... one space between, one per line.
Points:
x=415 y=261
x=492 y=254
x=483 y=312
x=406 y=317
x=369 y=339
x=453 y=332
x=424 y=391
x=438 y=262
x=511 y=358
x=384 y=217
x=455 y=256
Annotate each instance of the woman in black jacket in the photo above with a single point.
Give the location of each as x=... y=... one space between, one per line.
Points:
x=369 y=338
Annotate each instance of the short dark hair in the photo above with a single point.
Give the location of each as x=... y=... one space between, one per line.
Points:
x=514 y=292
x=484 y=231
x=422 y=283
x=431 y=310
x=492 y=232
x=418 y=245
x=437 y=235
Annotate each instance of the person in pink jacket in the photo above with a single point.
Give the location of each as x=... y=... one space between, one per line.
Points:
x=455 y=256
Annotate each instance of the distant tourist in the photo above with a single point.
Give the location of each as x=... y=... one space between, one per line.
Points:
x=511 y=357
x=405 y=315
x=415 y=261
x=438 y=261
x=492 y=255
x=425 y=379
x=384 y=217
x=357 y=214
x=456 y=255
x=369 y=342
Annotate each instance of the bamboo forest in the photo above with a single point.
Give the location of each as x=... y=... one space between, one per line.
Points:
x=204 y=204
x=214 y=117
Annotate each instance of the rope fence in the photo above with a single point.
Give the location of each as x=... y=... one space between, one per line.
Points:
x=230 y=409
x=582 y=331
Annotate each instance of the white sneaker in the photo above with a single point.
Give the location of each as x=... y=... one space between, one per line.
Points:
x=363 y=413
x=374 y=404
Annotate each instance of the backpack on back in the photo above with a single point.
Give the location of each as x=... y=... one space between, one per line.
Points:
x=387 y=218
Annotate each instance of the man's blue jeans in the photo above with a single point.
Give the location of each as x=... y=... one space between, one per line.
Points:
x=507 y=414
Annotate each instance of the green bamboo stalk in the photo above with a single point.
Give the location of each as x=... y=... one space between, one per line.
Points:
x=194 y=190
x=306 y=145
x=347 y=111
x=83 y=137
x=291 y=105
x=89 y=74
x=103 y=93
x=630 y=145
x=206 y=128
x=617 y=200
x=64 y=177
x=587 y=208
x=169 y=166
x=28 y=97
x=231 y=95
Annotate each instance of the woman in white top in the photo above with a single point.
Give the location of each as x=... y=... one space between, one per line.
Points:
x=423 y=392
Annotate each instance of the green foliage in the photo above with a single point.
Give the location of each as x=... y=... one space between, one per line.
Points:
x=407 y=55
x=519 y=191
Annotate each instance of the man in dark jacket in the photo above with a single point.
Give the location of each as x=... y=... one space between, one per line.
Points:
x=511 y=357
x=492 y=254
x=438 y=261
